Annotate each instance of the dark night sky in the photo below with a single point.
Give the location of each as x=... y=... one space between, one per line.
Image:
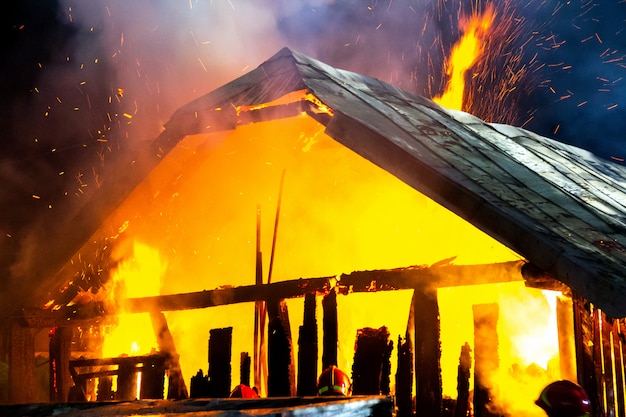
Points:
x=84 y=82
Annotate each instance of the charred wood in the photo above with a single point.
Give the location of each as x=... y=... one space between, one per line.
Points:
x=220 y=347
x=177 y=389
x=463 y=376
x=153 y=379
x=486 y=358
x=279 y=354
x=60 y=350
x=244 y=368
x=329 y=325
x=377 y=280
x=200 y=386
x=371 y=350
x=404 y=377
x=585 y=332
x=427 y=352
x=307 y=349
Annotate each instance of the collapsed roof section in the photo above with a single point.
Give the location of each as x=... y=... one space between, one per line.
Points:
x=560 y=207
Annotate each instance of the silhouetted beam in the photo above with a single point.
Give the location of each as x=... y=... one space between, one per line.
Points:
x=360 y=281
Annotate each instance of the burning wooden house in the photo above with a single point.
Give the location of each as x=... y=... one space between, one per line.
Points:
x=453 y=265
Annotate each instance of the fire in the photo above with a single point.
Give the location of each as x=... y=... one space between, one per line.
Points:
x=137 y=275
x=191 y=226
x=463 y=56
x=528 y=353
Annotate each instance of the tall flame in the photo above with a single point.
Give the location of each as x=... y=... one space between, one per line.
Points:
x=464 y=54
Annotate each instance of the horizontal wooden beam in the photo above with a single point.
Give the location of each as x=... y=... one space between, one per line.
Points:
x=421 y=277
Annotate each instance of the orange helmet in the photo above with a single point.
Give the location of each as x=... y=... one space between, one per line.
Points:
x=334 y=381
x=243 y=391
x=564 y=399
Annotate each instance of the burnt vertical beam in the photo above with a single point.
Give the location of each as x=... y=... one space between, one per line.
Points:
x=620 y=360
x=307 y=349
x=329 y=326
x=21 y=363
x=462 y=382
x=607 y=357
x=199 y=385
x=153 y=378
x=220 y=346
x=585 y=338
x=427 y=352
x=370 y=352
x=385 y=374
x=281 y=372
x=177 y=389
x=244 y=368
x=567 y=346
x=60 y=347
x=618 y=367
x=404 y=377
x=485 y=357
x=105 y=389
x=126 y=382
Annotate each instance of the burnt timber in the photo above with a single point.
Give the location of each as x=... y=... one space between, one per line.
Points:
x=419 y=277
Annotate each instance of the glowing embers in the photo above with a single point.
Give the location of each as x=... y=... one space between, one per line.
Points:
x=138 y=275
x=463 y=56
x=291 y=104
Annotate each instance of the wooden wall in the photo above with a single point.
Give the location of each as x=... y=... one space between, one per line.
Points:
x=601 y=357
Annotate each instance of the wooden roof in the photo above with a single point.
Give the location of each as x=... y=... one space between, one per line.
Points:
x=560 y=207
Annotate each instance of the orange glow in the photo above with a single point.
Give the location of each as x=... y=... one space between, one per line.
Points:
x=528 y=351
x=463 y=56
x=191 y=226
x=138 y=275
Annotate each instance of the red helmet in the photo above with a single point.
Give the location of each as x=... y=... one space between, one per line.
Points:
x=334 y=381
x=564 y=399
x=243 y=391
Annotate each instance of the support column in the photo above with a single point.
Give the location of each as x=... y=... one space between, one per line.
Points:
x=60 y=350
x=427 y=354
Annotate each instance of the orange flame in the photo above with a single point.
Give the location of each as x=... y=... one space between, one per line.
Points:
x=464 y=54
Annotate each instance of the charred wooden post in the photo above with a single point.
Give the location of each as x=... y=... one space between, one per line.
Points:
x=565 y=329
x=463 y=385
x=105 y=389
x=486 y=358
x=21 y=363
x=177 y=389
x=60 y=350
x=610 y=374
x=584 y=328
x=385 y=374
x=371 y=350
x=153 y=378
x=307 y=349
x=281 y=372
x=126 y=382
x=220 y=346
x=329 y=326
x=404 y=377
x=200 y=387
x=428 y=402
x=244 y=368
x=620 y=362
